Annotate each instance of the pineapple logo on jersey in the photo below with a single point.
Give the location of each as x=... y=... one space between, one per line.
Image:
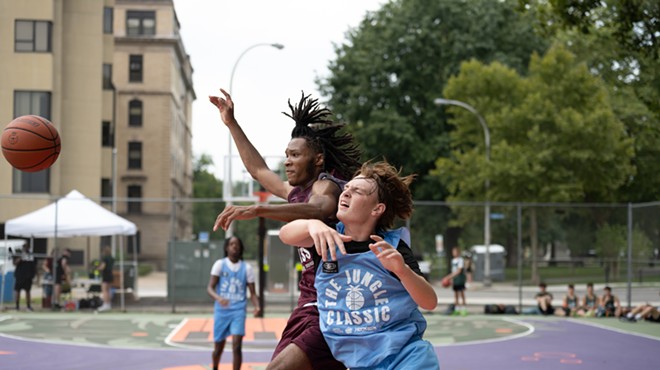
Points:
x=232 y=289
x=354 y=299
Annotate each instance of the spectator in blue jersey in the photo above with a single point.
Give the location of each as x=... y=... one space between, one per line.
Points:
x=319 y=160
x=370 y=286
x=230 y=279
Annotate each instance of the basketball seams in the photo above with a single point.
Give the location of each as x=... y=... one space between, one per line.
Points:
x=48 y=126
x=31 y=150
x=31 y=143
x=38 y=164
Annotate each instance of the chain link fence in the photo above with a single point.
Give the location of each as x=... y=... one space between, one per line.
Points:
x=555 y=243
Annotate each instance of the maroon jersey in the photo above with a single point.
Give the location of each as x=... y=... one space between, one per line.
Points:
x=309 y=258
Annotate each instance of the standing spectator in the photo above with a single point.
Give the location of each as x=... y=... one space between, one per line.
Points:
x=106 y=267
x=590 y=302
x=47 y=280
x=24 y=274
x=609 y=304
x=230 y=278
x=62 y=277
x=457 y=276
x=319 y=158
x=570 y=303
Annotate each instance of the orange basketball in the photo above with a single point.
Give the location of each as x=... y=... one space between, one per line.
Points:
x=30 y=143
x=446 y=282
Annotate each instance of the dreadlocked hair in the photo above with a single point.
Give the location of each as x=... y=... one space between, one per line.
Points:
x=341 y=155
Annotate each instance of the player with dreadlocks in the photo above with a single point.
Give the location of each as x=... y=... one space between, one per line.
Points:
x=319 y=159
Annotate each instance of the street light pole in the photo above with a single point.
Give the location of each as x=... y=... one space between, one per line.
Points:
x=482 y=122
x=227 y=185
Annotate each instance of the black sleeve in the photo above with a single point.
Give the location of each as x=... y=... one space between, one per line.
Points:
x=408 y=257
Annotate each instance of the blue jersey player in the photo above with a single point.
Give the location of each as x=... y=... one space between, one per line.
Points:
x=369 y=292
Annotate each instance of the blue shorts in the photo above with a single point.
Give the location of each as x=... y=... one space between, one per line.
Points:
x=228 y=323
x=417 y=354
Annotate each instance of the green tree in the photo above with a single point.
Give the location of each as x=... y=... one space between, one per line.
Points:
x=612 y=246
x=391 y=67
x=554 y=136
x=618 y=39
x=205 y=185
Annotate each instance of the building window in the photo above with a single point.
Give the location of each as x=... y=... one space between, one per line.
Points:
x=108 y=19
x=135 y=68
x=32 y=36
x=140 y=23
x=135 y=112
x=134 y=199
x=107 y=76
x=107 y=137
x=106 y=191
x=135 y=155
x=31 y=102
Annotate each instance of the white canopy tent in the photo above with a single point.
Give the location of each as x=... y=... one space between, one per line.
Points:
x=72 y=216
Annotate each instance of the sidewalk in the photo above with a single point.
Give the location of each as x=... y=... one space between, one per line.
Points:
x=151 y=296
x=152 y=292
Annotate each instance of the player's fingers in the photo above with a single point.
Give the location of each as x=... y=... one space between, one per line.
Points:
x=376 y=238
x=332 y=246
x=318 y=244
x=339 y=242
x=217 y=222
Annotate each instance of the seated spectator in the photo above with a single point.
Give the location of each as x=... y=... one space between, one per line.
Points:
x=590 y=302
x=543 y=303
x=609 y=304
x=570 y=303
x=643 y=312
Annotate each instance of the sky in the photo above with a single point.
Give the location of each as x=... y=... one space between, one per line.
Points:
x=216 y=32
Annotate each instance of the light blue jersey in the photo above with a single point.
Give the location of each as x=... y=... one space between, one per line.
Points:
x=366 y=315
x=233 y=287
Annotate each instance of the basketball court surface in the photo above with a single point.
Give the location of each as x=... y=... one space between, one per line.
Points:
x=83 y=340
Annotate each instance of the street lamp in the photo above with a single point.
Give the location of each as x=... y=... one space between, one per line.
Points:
x=482 y=121
x=227 y=186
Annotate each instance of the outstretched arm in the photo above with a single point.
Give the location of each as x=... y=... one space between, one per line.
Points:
x=322 y=205
x=419 y=289
x=253 y=161
x=305 y=233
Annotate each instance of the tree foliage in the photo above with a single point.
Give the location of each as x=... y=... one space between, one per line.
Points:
x=618 y=39
x=205 y=185
x=554 y=135
x=390 y=69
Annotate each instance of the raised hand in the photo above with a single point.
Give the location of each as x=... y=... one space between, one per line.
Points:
x=231 y=213
x=387 y=254
x=327 y=239
x=225 y=106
